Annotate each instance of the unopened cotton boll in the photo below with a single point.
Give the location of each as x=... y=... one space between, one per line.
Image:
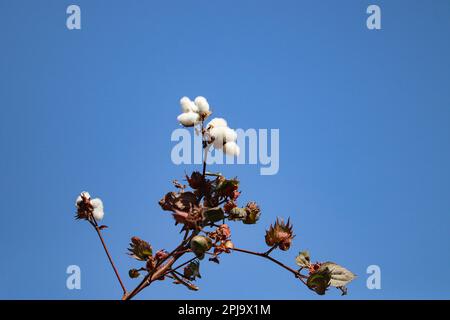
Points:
x=202 y=104
x=98 y=212
x=186 y=104
x=231 y=148
x=188 y=119
x=217 y=122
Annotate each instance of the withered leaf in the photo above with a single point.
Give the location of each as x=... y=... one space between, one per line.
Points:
x=303 y=259
x=183 y=201
x=339 y=276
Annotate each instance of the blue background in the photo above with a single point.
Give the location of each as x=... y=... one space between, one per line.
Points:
x=364 y=138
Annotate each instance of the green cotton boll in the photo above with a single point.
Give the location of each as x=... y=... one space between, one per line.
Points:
x=199 y=245
x=238 y=214
x=133 y=273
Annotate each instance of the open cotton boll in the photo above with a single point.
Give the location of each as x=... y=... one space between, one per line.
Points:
x=231 y=148
x=217 y=122
x=194 y=107
x=219 y=135
x=230 y=135
x=188 y=119
x=202 y=104
x=186 y=104
x=98 y=212
x=222 y=135
x=80 y=199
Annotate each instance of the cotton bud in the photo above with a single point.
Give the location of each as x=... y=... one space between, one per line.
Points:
x=217 y=122
x=280 y=234
x=188 y=119
x=202 y=104
x=231 y=148
x=98 y=212
x=253 y=213
x=133 y=273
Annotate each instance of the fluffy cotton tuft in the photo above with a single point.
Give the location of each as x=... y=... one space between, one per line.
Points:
x=202 y=104
x=80 y=199
x=230 y=135
x=217 y=122
x=222 y=135
x=218 y=134
x=186 y=104
x=231 y=148
x=98 y=212
x=189 y=119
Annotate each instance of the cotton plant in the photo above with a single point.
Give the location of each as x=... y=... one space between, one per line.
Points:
x=205 y=207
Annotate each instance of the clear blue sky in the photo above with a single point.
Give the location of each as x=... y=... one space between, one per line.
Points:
x=364 y=119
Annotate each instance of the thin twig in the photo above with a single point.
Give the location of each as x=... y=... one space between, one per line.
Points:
x=98 y=230
x=264 y=255
x=270 y=250
x=205 y=158
x=187 y=284
x=183 y=264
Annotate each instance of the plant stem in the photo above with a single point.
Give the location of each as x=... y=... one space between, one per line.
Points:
x=189 y=285
x=153 y=276
x=183 y=264
x=205 y=157
x=266 y=256
x=270 y=250
x=98 y=230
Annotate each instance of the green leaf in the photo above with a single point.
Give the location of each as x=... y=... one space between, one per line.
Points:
x=319 y=281
x=214 y=214
x=339 y=275
x=303 y=259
